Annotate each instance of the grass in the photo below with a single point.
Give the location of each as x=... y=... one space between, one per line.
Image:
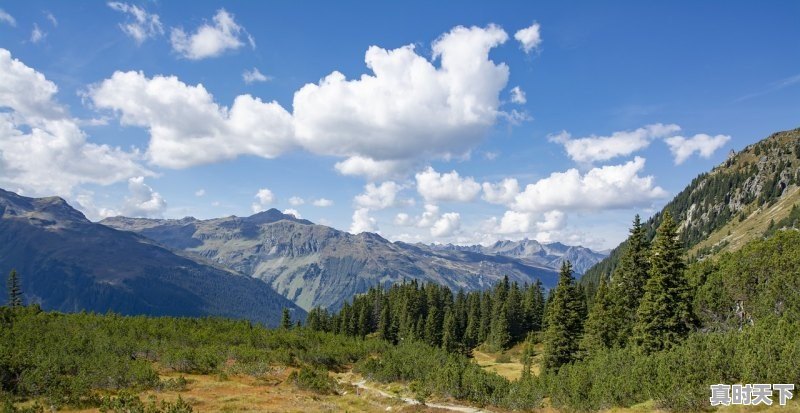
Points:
x=735 y=234
x=495 y=361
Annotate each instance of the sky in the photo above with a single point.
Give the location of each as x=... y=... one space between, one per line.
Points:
x=422 y=121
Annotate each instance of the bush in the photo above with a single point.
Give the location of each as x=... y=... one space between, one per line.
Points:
x=312 y=379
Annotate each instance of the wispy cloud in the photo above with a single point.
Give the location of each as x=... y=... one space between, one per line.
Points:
x=772 y=87
x=5 y=17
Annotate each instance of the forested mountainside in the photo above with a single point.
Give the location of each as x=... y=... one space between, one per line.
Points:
x=67 y=263
x=753 y=191
x=318 y=266
x=547 y=254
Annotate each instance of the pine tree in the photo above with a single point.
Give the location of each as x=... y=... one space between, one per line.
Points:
x=14 y=290
x=664 y=317
x=627 y=283
x=564 y=321
x=286 y=319
x=433 y=327
x=500 y=335
x=450 y=339
x=534 y=306
x=600 y=329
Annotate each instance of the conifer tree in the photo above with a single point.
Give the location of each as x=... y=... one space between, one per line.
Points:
x=286 y=319
x=385 y=330
x=500 y=335
x=664 y=317
x=564 y=321
x=627 y=283
x=14 y=290
x=534 y=306
x=433 y=327
x=450 y=339
x=600 y=329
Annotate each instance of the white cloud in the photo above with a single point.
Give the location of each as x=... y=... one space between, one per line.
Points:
x=372 y=169
x=85 y=203
x=187 y=127
x=42 y=149
x=447 y=225
x=553 y=220
x=210 y=40
x=705 y=145
x=529 y=38
x=362 y=222
x=294 y=212
x=607 y=187
x=37 y=35
x=140 y=25
x=377 y=197
x=200 y=192
x=602 y=148
x=264 y=197
x=502 y=192
x=429 y=216
x=296 y=200
x=7 y=18
x=435 y=186
x=407 y=108
x=404 y=220
x=142 y=200
x=490 y=156
x=518 y=95
x=322 y=202
x=513 y=222
x=254 y=75
x=52 y=18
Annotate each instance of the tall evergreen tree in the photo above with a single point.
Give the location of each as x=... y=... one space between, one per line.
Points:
x=14 y=290
x=665 y=316
x=500 y=335
x=286 y=319
x=534 y=306
x=450 y=339
x=627 y=283
x=433 y=327
x=600 y=328
x=564 y=321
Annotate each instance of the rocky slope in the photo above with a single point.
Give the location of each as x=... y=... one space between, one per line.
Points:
x=315 y=265
x=67 y=263
x=548 y=255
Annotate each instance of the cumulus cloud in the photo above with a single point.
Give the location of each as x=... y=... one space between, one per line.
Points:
x=705 y=146
x=293 y=212
x=296 y=200
x=403 y=219
x=42 y=149
x=7 y=18
x=254 y=75
x=142 y=200
x=518 y=95
x=429 y=216
x=187 y=127
x=447 y=225
x=372 y=169
x=210 y=40
x=607 y=187
x=502 y=192
x=407 y=103
x=435 y=186
x=140 y=24
x=362 y=222
x=377 y=197
x=322 y=202
x=407 y=109
x=264 y=197
x=529 y=38
x=602 y=148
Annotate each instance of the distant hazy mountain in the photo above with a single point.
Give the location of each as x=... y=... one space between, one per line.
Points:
x=68 y=263
x=548 y=255
x=315 y=265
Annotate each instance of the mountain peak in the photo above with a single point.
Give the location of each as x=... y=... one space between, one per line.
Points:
x=50 y=210
x=273 y=215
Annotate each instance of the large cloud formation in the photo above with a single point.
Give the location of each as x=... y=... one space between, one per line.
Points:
x=408 y=108
x=42 y=149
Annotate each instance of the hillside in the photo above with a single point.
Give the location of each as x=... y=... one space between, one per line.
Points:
x=734 y=203
x=67 y=263
x=315 y=265
x=544 y=254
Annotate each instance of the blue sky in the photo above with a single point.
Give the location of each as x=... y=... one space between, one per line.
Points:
x=142 y=108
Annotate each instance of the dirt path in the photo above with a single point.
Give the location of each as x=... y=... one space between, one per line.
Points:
x=362 y=384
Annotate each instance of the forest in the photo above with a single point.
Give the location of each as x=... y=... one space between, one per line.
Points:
x=674 y=328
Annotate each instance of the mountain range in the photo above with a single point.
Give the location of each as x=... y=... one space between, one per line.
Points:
x=318 y=266
x=68 y=263
x=549 y=255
